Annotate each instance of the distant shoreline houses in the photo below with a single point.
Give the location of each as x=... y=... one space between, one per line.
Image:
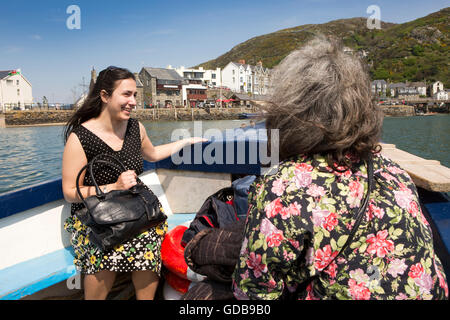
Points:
x=237 y=84
x=409 y=90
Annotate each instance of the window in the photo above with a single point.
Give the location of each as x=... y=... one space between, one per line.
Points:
x=17 y=82
x=213 y=76
x=18 y=92
x=233 y=72
x=234 y=80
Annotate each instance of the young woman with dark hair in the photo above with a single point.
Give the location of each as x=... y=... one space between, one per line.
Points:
x=103 y=125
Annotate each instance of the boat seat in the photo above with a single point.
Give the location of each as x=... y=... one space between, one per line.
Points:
x=40 y=273
x=36 y=274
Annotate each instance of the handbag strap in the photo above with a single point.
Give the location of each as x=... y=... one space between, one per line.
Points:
x=319 y=290
x=362 y=208
x=89 y=168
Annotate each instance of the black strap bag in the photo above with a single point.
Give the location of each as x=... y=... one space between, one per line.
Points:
x=118 y=215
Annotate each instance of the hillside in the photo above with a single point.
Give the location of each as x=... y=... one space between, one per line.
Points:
x=415 y=51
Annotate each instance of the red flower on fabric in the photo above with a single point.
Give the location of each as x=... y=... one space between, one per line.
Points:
x=304 y=167
x=273 y=208
x=416 y=270
x=358 y=291
x=413 y=208
x=292 y=210
x=379 y=244
x=331 y=270
x=274 y=240
x=330 y=221
x=323 y=257
x=254 y=263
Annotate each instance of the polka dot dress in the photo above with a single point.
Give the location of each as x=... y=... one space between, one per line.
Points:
x=140 y=253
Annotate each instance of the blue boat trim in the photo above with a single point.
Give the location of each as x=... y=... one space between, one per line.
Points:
x=36 y=274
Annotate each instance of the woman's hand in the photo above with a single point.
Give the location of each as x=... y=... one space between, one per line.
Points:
x=126 y=180
x=195 y=140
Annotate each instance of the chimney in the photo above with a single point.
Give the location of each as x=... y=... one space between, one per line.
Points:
x=242 y=61
x=259 y=63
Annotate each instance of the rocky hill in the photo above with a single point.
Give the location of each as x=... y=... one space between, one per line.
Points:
x=415 y=51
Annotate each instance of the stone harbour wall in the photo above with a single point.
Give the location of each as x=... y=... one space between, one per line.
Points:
x=398 y=111
x=48 y=117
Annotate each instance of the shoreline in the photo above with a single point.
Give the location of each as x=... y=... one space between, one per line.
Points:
x=38 y=118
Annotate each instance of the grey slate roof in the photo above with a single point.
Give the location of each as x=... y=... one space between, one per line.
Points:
x=4 y=74
x=163 y=74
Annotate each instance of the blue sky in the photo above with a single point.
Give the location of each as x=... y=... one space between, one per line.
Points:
x=137 y=33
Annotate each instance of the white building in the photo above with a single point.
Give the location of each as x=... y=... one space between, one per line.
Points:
x=436 y=87
x=15 y=90
x=210 y=78
x=441 y=95
x=245 y=78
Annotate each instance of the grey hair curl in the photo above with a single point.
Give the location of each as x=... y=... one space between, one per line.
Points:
x=321 y=102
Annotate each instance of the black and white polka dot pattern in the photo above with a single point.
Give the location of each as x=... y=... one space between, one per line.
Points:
x=139 y=253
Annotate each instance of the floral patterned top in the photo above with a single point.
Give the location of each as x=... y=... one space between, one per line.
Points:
x=300 y=217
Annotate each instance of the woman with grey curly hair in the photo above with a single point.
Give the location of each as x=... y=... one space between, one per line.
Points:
x=337 y=220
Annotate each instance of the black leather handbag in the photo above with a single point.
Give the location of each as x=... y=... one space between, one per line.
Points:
x=118 y=215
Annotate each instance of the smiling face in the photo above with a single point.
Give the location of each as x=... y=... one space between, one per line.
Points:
x=122 y=100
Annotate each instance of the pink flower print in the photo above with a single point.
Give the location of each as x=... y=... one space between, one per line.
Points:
x=309 y=258
x=416 y=271
x=355 y=194
x=295 y=243
x=270 y=285
x=397 y=267
x=403 y=198
x=425 y=283
x=315 y=191
x=318 y=216
x=304 y=167
x=302 y=179
x=401 y=296
x=310 y=293
x=395 y=170
x=331 y=270
x=273 y=208
x=292 y=210
x=267 y=227
x=254 y=263
x=245 y=275
x=374 y=211
x=244 y=248
x=413 y=208
x=323 y=257
x=387 y=176
x=442 y=282
x=359 y=275
x=274 y=236
x=423 y=219
x=379 y=244
x=288 y=256
x=358 y=291
x=274 y=240
x=330 y=221
x=278 y=187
